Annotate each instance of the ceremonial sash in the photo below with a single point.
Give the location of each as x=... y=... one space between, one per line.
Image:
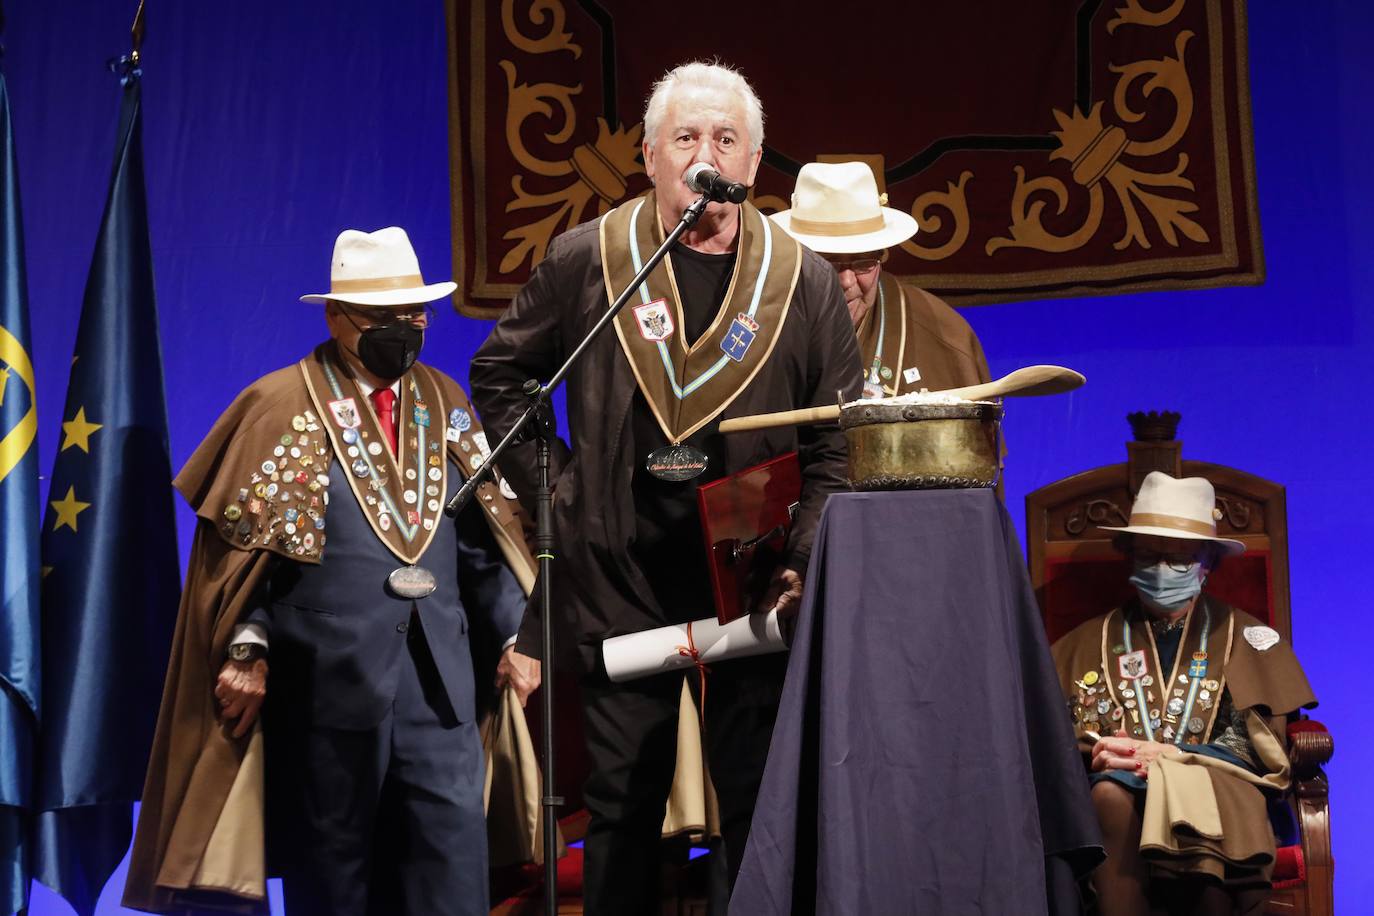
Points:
x=882 y=340
x=401 y=495
x=685 y=386
x=1179 y=706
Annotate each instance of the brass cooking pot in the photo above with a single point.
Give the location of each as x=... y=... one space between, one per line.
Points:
x=922 y=446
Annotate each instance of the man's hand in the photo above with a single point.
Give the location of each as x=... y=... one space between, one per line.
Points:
x=784 y=593
x=241 y=688
x=1122 y=753
x=519 y=671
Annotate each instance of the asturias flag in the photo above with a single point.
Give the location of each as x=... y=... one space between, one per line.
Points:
x=19 y=622
x=111 y=579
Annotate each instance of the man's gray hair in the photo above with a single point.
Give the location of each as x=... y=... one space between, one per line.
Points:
x=701 y=75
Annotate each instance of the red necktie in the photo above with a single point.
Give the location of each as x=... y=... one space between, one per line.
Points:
x=383 y=399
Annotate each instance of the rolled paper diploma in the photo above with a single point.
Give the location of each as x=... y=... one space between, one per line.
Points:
x=636 y=655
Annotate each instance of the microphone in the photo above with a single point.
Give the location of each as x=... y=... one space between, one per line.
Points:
x=705 y=180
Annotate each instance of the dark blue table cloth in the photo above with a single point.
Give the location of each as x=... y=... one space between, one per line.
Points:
x=923 y=761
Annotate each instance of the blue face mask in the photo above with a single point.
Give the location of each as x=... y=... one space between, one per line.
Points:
x=1166 y=587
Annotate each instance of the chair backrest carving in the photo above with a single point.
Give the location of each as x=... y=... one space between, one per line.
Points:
x=1076 y=572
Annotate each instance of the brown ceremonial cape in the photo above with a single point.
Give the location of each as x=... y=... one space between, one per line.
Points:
x=912 y=340
x=1202 y=814
x=200 y=837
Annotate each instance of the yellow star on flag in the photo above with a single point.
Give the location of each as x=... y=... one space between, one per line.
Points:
x=78 y=432
x=68 y=508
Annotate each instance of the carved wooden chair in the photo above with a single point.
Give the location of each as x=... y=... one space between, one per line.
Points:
x=1078 y=575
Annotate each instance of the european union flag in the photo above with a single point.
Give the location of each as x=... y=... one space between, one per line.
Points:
x=109 y=548
x=19 y=620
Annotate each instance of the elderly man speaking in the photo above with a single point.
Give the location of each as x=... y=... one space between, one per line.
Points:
x=739 y=320
x=908 y=338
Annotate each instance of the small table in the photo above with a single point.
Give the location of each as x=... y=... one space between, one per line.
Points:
x=923 y=761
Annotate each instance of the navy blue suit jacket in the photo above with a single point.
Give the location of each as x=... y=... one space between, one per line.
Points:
x=336 y=632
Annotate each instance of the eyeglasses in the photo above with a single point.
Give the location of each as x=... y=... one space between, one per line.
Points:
x=1178 y=562
x=410 y=314
x=864 y=265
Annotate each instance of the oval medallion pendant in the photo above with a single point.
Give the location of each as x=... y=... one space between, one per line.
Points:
x=411 y=581
x=676 y=462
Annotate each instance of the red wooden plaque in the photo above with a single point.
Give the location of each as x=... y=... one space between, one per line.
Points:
x=745 y=519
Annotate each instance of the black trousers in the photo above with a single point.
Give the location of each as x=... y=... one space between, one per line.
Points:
x=387 y=820
x=631 y=733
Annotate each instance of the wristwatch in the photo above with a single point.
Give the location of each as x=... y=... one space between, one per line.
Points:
x=246 y=652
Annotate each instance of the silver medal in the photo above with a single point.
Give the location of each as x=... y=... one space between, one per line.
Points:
x=411 y=581
x=676 y=462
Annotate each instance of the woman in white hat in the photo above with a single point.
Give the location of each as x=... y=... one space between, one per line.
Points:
x=1179 y=703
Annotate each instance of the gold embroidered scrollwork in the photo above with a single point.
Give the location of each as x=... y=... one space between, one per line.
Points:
x=597 y=172
x=954 y=201
x=1135 y=14
x=1099 y=153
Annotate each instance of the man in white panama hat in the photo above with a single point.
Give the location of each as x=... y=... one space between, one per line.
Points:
x=374 y=769
x=908 y=339
x=1176 y=689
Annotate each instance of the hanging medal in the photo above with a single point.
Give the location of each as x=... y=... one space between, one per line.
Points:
x=676 y=462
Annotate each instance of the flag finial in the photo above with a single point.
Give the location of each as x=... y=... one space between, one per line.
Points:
x=137 y=35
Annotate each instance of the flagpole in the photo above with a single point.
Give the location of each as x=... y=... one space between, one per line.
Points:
x=136 y=35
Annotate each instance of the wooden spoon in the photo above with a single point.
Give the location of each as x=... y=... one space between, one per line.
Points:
x=1029 y=381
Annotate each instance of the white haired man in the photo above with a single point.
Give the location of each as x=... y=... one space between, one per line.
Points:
x=908 y=339
x=739 y=320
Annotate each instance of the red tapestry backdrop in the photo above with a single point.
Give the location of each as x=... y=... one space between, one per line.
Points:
x=1059 y=147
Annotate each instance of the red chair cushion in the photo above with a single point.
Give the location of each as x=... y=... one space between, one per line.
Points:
x=1289 y=868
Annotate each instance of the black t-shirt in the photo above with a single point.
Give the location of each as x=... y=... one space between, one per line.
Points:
x=668 y=542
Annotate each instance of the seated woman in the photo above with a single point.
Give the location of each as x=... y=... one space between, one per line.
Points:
x=1179 y=704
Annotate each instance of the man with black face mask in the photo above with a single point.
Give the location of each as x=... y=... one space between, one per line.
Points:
x=374 y=768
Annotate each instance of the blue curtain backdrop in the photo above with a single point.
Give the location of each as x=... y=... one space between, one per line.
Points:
x=270 y=126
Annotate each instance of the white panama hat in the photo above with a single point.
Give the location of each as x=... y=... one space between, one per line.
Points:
x=836 y=209
x=1177 y=507
x=378 y=268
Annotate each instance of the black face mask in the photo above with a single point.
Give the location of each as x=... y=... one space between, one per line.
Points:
x=388 y=350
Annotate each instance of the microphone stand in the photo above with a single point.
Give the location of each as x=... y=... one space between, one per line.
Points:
x=537 y=423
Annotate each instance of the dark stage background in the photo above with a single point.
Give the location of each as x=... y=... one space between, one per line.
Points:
x=270 y=126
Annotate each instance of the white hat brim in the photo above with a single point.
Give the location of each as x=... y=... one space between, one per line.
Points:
x=408 y=296
x=897 y=228
x=1231 y=547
